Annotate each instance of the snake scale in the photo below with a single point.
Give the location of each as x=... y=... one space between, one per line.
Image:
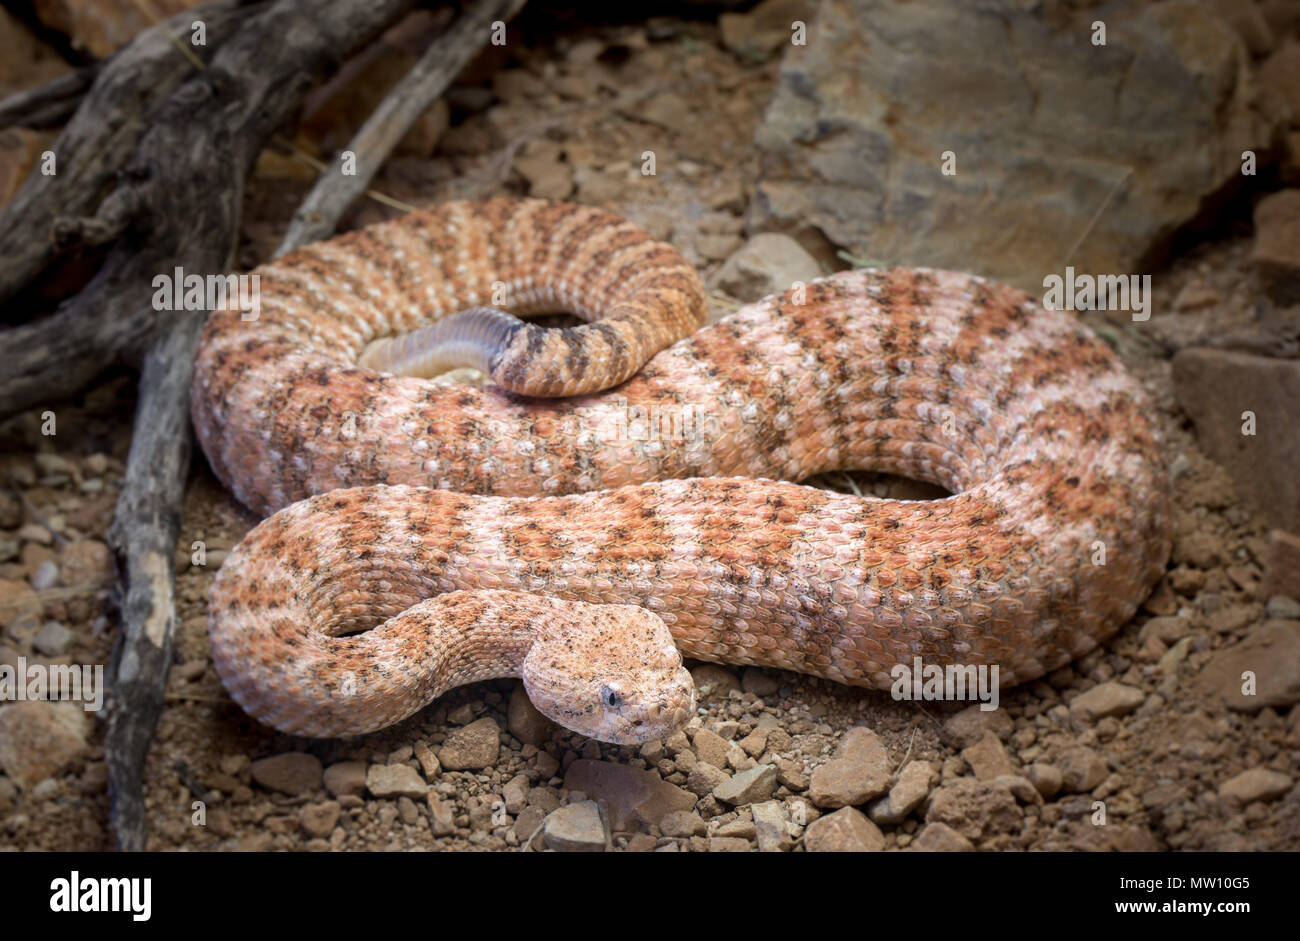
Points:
x=587 y=539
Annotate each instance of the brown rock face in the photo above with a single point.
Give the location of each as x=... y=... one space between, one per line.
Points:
x=853 y=145
x=1229 y=395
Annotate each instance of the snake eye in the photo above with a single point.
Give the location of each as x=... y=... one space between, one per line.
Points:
x=610 y=699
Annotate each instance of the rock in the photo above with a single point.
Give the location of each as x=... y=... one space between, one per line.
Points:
x=1167 y=629
x=575 y=828
x=771 y=829
x=35 y=532
x=747 y=787
x=711 y=747
x=1045 y=778
x=395 y=781
x=17 y=600
x=859 y=772
x=758 y=681
x=941 y=838
x=769 y=263
x=845 y=831
x=1270 y=654
x=442 y=818
x=1257 y=784
x=633 y=799
x=53 y=639
x=319 y=820
x=462 y=714
x=292 y=773
x=975 y=808
x=704 y=777
x=1276 y=253
x=1082 y=769
x=1280 y=74
x=429 y=764
x=346 y=777
x=46 y=576
x=911 y=788
x=729 y=844
x=1216 y=388
x=548 y=177
x=473 y=747
x=38 y=739
x=1106 y=699
x=683 y=824
x=86 y=563
x=1282 y=608
x=101 y=27
x=968 y=726
x=713 y=682
x=851 y=146
x=988 y=758
x=524 y=721
x=764 y=29
x=1249 y=24
x=515 y=794
x=1281 y=566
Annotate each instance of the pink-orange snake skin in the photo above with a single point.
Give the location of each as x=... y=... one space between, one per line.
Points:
x=449 y=533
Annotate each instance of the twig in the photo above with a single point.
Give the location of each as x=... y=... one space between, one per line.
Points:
x=1128 y=171
x=49 y=104
x=143 y=533
x=320 y=212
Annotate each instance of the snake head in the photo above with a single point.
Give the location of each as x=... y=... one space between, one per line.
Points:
x=610 y=672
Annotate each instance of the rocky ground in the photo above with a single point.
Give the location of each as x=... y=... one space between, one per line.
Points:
x=1146 y=744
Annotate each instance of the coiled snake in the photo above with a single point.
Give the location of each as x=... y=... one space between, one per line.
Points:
x=450 y=533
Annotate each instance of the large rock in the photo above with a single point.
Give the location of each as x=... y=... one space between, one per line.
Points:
x=1262 y=670
x=1216 y=388
x=1043 y=128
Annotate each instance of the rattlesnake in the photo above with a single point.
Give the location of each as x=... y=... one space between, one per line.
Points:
x=446 y=528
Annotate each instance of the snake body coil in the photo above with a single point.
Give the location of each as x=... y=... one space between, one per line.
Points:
x=644 y=495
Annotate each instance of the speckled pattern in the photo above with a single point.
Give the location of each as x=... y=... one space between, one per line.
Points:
x=281 y=397
x=1048 y=445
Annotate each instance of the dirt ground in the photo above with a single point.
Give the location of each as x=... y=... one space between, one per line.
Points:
x=1029 y=777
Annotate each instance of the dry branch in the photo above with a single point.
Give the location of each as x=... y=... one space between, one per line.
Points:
x=124 y=100
x=177 y=204
x=51 y=104
x=320 y=212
